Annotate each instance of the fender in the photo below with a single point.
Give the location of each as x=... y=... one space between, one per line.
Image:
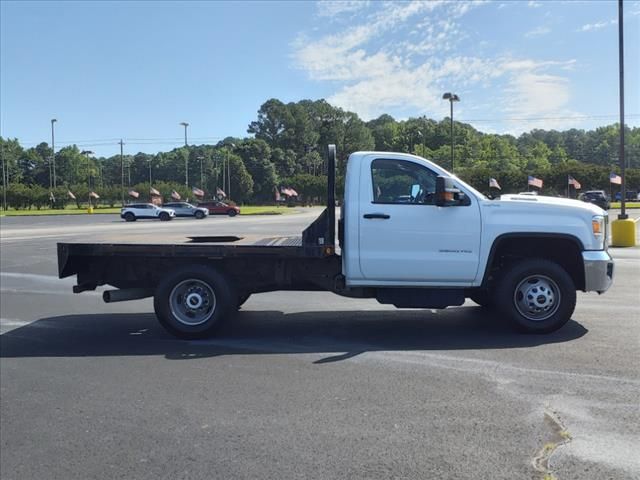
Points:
x=508 y=236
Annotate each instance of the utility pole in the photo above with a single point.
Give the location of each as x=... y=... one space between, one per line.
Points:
x=149 y=172
x=53 y=156
x=122 y=172
x=186 y=159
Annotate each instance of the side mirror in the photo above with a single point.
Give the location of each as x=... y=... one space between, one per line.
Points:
x=446 y=192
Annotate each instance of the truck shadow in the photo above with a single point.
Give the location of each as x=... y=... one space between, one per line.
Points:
x=341 y=334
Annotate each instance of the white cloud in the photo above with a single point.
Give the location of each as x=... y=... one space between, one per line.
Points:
x=534 y=4
x=334 y=8
x=401 y=57
x=537 y=32
x=598 y=25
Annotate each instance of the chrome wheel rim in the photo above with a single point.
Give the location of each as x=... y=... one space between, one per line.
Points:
x=192 y=302
x=537 y=297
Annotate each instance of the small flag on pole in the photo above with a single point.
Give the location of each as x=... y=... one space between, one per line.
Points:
x=197 y=192
x=71 y=195
x=617 y=179
x=289 y=192
x=576 y=184
x=175 y=195
x=153 y=191
x=94 y=195
x=220 y=192
x=134 y=194
x=493 y=183
x=52 y=197
x=535 y=182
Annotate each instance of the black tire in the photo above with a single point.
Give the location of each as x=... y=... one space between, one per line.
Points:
x=164 y=217
x=483 y=297
x=232 y=213
x=129 y=217
x=536 y=296
x=242 y=299
x=199 y=215
x=212 y=301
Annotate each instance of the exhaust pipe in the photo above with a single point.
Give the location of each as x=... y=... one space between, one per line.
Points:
x=122 y=295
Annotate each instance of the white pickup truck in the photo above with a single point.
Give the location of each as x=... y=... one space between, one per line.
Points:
x=410 y=234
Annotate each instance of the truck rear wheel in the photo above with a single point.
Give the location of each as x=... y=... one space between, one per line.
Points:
x=536 y=295
x=193 y=302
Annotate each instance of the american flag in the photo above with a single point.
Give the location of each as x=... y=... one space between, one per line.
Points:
x=535 y=182
x=575 y=183
x=134 y=194
x=617 y=179
x=289 y=192
x=153 y=191
x=71 y=195
x=493 y=183
x=197 y=192
x=175 y=195
x=220 y=192
x=94 y=195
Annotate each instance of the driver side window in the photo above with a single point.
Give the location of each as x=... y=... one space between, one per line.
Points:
x=401 y=181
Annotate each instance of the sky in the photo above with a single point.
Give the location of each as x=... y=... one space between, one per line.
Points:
x=135 y=70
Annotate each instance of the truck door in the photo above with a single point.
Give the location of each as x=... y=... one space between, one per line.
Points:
x=404 y=237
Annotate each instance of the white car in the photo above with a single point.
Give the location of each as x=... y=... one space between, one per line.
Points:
x=146 y=210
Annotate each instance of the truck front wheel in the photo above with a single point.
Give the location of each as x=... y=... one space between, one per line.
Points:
x=536 y=295
x=193 y=302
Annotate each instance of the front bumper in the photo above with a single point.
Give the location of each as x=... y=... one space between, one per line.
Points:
x=598 y=270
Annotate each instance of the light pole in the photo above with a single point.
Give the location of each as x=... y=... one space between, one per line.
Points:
x=121 y=143
x=186 y=159
x=52 y=164
x=150 y=172
x=452 y=97
x=623 y=194
x=229 y=171
x=86 y=153
x=201 y=158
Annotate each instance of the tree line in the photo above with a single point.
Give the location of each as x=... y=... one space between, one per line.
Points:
x=287 y=148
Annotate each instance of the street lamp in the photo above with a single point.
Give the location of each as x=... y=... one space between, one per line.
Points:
x=86 y=153
x=52 y=164
x=150 y=159
x=201 y=158
x=186 y=159
x=452 y=97
x=229 y=171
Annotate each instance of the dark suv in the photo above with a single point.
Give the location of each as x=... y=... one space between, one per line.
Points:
x=597 y=197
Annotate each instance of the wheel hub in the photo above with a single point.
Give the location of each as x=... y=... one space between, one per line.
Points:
x=537 y=297
x=192 y=302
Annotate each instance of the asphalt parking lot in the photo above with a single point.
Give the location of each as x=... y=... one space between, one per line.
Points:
x=304 y=385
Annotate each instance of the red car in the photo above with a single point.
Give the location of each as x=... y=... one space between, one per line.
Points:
x=220 y=208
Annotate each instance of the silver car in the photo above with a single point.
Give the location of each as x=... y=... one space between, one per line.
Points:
x=184 y=209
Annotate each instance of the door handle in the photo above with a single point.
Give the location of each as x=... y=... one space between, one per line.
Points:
x=382 y=216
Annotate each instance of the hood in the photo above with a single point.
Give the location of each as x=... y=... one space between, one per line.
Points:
x=548 y=202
